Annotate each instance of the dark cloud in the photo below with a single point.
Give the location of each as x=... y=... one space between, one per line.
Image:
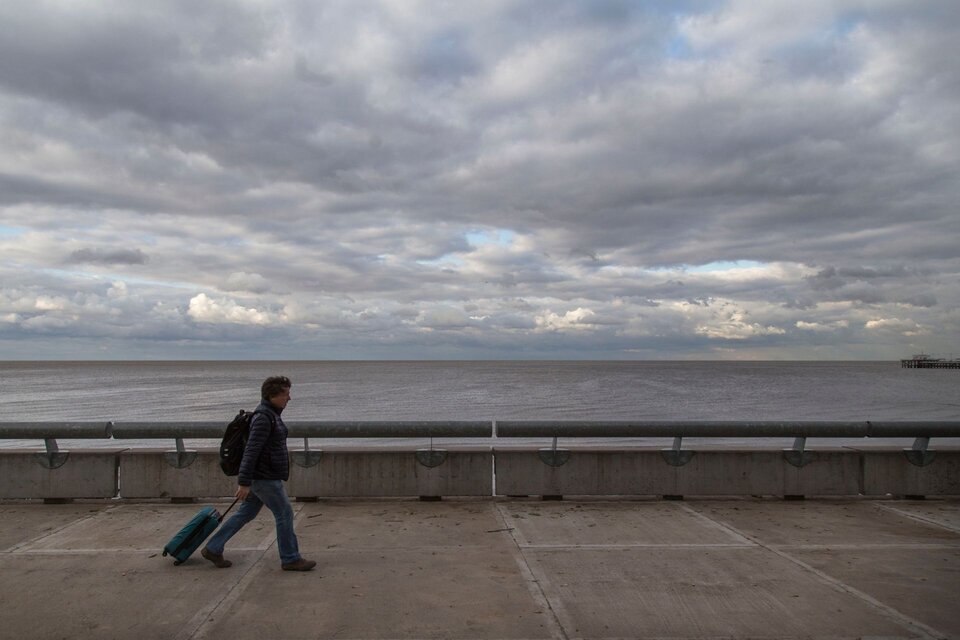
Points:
x=570 y=178
x=107 y=256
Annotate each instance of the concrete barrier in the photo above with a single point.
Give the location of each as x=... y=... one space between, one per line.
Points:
x=383 y=473
x=80 y=474
x=647 y=472
x=890 y=472
x=147 y=473
x=367 y=472
x=472 y=471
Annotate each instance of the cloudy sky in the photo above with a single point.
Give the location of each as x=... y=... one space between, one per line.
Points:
x=496 y=179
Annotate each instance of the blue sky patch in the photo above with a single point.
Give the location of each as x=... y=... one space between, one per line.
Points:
x=502 y=237
x=723 y=265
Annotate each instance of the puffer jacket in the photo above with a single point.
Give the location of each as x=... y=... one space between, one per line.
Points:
x=265 y=456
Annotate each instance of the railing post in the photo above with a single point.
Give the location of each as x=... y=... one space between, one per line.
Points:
x=918 y=454
x=181 y=458
x=797 y=456
x=53 y=458
x=675 y=456
x=431 y=457
x=307 y=458
x=554 y=457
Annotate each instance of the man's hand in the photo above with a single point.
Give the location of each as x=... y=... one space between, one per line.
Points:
x=242 y=492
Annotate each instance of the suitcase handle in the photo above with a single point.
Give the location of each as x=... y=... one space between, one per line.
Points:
x=228 y=510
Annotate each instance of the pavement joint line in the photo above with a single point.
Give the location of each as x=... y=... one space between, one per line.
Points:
x=57 y=530
x=512 y=524
x=93 y=550
x=405 y=549
x=918 y=518
x=915 y=626
x=536 y=584
x=714 y=524
x=639 y=545
x=199 y=625
x=80 y=552
x=854 y=547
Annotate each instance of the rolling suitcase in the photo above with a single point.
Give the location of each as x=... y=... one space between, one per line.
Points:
x=182 y=545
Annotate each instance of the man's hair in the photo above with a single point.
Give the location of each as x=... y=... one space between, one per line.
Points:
x=274 y=386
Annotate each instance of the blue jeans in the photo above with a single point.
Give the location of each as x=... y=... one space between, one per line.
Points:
x=272 y=494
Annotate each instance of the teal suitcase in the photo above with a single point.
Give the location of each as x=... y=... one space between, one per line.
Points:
x=182 y=545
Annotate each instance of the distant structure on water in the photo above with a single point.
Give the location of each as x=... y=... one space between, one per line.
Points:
x=923 y=361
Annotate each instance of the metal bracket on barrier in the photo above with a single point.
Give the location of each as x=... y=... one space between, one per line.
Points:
x=554 y=457
x=306 y=458
x=181 y=458
x=676 y=457
x=797 y=456
x=53 y=458
x=918 y=455
x=431 y=457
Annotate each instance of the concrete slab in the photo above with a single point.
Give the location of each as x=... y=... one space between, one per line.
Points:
x=403 y=524
x=474 y=592
x=132 y=527
x=493 y=569
x=827 y=522
x=134 y=595
x=701 y=593
x=940 y=513
x=921 y=583
x=23 y=523
x=396 y=569
x=612 y=523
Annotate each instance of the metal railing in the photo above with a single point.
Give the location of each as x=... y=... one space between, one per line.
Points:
x=922 y=431
x=724 y=429
x=123 y=430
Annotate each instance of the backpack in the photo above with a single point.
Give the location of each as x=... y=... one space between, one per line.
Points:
x=235 y=441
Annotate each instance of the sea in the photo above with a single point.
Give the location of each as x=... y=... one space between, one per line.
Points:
x=166 y=391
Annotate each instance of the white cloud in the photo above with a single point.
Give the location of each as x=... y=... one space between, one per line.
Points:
x=889 y=323
x=737 y=330
x=906 y=327
x=209 y=310
x=578 y=319
x=822 y=326
x=117 y=291
x=46 y=303
x=735 y=326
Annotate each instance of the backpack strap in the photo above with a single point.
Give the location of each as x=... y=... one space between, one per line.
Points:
x=273 y=423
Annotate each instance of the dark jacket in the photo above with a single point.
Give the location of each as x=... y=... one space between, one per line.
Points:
x=265 y=456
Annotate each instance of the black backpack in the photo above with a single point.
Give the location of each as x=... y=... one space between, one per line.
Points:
x=235 y=441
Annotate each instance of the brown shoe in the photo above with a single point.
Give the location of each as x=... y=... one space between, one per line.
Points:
x=215 y=558
x=299 y=565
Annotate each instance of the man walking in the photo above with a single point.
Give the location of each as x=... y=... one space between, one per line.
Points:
x=263 y=469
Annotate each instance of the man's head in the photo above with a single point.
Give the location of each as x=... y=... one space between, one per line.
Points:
x=276 y=391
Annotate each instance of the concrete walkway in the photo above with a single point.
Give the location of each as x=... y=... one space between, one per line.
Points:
x=518 y=568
